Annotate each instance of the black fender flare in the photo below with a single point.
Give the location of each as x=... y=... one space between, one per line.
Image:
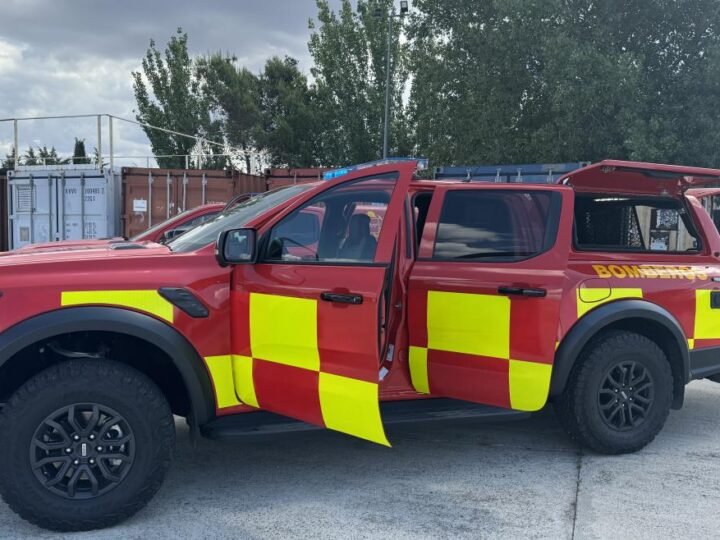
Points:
x=599 y=318
x=121 y=321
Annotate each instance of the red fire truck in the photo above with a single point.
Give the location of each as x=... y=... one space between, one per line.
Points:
x=349 y=304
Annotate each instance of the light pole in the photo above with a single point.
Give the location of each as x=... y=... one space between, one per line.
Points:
x=390 y=16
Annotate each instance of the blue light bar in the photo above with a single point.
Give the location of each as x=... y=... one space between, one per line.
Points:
x=337 y=173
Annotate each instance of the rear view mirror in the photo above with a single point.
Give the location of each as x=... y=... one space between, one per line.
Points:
x=237 y=246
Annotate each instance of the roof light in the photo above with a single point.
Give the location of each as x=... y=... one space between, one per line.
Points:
x=336 y=173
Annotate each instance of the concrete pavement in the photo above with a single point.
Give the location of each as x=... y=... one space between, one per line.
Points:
x=442 y=479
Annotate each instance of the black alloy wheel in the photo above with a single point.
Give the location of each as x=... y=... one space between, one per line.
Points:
x=626 y=395
x=619 y=393
x=82 y=451
x=86 y=444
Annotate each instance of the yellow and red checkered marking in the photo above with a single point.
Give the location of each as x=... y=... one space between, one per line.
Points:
x=279 y=367
x=468 y=351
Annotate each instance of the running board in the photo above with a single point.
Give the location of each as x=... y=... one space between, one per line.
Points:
x=393 y=412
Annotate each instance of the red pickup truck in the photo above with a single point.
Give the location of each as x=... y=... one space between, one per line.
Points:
x=349 y=304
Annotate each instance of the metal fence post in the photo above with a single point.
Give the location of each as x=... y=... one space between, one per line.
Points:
x=149 y=206
x=110 y=126
x=167 y=198
x=16 y=157
x=82 y=203
x=99 y=138
x=185 y=184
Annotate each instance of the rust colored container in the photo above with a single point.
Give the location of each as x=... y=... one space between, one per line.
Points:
x=151 y=196
x=278 y=176
x=3 y=214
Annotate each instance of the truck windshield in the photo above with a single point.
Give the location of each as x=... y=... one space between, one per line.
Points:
x=235 y=218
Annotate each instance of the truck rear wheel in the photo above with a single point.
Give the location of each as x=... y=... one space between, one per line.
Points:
x=619 y=394
x=86 y=444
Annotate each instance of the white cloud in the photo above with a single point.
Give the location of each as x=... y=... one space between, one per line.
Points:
x=10 y=57
x=61 y=57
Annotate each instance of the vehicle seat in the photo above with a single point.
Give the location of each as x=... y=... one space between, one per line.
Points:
x=359 y=245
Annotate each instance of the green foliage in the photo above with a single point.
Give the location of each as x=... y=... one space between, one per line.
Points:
x=173 y=100
x=497 y=81
x=9 y=161
x=349 y=49
x=43 y=156
x=79 y=154
x=289 y=128
x=566 y=80
x=232 y=93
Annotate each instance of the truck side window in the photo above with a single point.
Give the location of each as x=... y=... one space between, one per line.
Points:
x=340 y=225
x=620 y=223
x=497 y=225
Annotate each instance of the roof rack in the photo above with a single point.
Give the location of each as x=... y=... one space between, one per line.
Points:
x=423 y=164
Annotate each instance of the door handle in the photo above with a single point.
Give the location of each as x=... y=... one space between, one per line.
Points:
x=520 y=291
x=342 y=298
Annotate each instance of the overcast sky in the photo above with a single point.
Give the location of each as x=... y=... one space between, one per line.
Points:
x=62 y=57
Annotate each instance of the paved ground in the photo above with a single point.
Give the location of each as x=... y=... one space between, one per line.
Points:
x=441 y=479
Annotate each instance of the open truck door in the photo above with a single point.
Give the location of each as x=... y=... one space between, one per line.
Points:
x=307 y=315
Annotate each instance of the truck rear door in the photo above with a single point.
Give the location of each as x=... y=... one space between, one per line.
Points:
x=485 y=292
x=308 y=316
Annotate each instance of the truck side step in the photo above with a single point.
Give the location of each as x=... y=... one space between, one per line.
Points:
x=393 y=412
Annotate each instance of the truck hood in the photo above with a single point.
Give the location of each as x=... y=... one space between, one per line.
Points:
x=635 y=177
x=88 y=251
x=63 y=245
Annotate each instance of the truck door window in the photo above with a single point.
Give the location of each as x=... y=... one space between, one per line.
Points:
x=618 y=223
x=340 y=225
x=498 y=225
x=303 y=230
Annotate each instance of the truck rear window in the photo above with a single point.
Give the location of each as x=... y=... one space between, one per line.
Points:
x=618 y=223
x=497 y=225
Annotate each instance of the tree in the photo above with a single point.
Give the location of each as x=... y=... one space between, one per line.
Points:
x=565 y=80
x=168 y=96
x=79 y=154
x=232 y=94
x=349 y=50
x=49 y=156
x=289 y=130
x=9 y=161
x=30 y=158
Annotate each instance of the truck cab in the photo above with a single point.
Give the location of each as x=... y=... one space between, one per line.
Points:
x=349 y=303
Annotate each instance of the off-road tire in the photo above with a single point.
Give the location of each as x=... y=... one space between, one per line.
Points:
x=577 y=407
x=105 y=382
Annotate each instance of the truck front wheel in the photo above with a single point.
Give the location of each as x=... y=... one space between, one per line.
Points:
x=619 y=394
x=86 y=444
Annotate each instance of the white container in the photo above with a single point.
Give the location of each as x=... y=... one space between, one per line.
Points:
x=62 y=202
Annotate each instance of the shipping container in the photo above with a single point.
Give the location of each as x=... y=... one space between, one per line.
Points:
x=280 y=176
x=154 y=195
x=530 y=173
x=61 y=202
